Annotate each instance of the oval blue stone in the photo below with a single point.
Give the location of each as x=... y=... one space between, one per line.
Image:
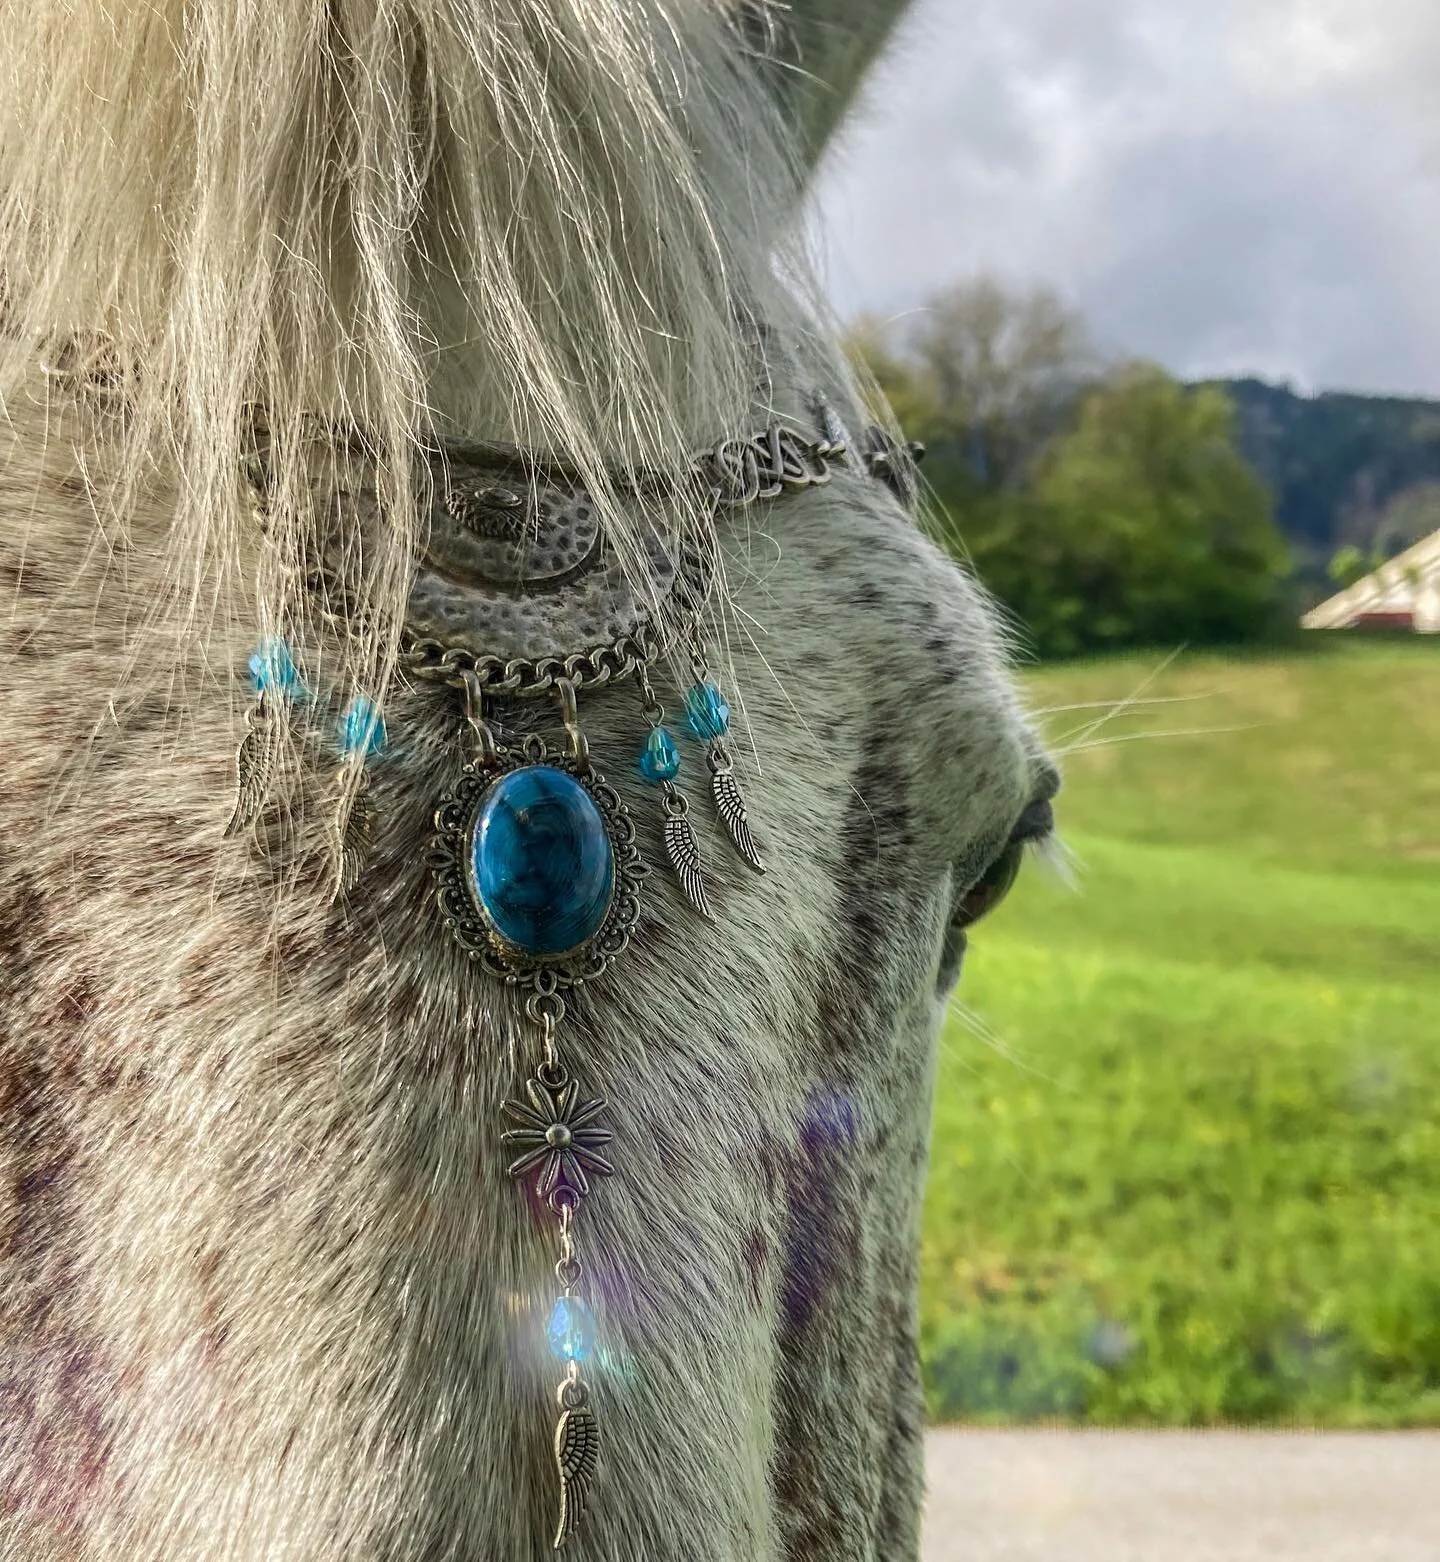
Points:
x=542 y=864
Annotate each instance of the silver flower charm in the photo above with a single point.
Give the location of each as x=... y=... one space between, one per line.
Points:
x=557 y=1135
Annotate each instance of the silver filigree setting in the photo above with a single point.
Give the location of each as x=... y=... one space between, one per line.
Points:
x=460 y=906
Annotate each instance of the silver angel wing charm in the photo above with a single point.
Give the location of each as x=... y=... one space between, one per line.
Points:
x=683 y=851
x=577 y=1454
x=355 y=837
x=253 y=763
x=730 y=805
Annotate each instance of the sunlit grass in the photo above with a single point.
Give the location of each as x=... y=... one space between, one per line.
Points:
x=1199 y=1178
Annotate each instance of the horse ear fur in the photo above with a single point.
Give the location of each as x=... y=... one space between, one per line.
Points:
x=816 y=53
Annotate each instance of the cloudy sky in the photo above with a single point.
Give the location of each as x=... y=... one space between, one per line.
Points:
x=1226 y=186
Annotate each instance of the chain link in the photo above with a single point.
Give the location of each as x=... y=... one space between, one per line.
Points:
x=568 y=1269
x=454 y=665
x=653 y=710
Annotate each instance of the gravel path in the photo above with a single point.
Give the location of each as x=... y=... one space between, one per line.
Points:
x=1182 y=1497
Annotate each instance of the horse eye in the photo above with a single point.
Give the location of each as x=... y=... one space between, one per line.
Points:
x=991 y=887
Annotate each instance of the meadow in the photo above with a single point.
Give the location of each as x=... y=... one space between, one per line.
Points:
x=1186 y=1164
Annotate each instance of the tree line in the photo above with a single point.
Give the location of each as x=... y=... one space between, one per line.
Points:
x=1104 y=504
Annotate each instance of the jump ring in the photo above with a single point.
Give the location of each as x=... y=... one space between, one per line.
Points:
x=545 y=1007
x=572 y=1394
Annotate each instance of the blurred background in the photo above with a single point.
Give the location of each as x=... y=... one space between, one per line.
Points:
x=1158 y=284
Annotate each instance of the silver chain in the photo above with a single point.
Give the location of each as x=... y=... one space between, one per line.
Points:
x=455 y=665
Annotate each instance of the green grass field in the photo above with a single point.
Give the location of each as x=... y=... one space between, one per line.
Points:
x=1187 y=1138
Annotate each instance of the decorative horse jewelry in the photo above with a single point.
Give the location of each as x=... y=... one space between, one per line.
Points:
x=537 y=872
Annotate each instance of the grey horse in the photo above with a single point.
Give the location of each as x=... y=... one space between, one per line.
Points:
x=332 y=327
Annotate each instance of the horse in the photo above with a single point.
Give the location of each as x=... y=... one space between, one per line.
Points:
x=408 y=403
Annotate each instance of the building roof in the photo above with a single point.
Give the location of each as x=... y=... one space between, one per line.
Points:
x=1409 y=584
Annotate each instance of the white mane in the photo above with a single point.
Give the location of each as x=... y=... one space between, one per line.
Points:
x=547 y=222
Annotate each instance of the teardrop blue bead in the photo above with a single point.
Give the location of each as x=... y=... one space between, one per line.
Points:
x=362 y=730
x=571 y=1330
x=660 y=758
x=706 y=712
x=272 y=667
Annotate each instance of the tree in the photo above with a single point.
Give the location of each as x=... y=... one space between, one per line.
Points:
x=910 y=395
x=1004 y=366
x=1102 y=509
x=1347 y=566
x=1412 y=515
x=985 y=375
x=1143 y=525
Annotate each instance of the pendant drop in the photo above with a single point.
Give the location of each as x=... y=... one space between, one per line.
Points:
x=560 y=1147
x=577 y=1456
x=730 y=804
x=539 y=877
x=254 y=764
x=708 y=717
x=355 y=833
x=659 y=765
x=359 y=737
x=683 y=849
x=277 y=683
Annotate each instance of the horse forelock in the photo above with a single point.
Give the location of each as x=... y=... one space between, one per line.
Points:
x=548 y=222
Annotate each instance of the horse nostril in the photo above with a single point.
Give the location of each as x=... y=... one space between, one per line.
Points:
x=1035 y=822
x=1047 y=781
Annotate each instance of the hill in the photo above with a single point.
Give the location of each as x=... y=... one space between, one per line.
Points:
x=1188 y=1120
x=1337 y=462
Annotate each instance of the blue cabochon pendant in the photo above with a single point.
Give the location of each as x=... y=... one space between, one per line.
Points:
x=538 y=877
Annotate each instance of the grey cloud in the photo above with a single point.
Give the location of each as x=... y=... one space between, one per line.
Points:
x=1203 y=206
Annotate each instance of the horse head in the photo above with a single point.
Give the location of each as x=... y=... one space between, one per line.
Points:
x=498 y=787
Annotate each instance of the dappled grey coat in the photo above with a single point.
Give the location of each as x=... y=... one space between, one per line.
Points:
x=265 y=1289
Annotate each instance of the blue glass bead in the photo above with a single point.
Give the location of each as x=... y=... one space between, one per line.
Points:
x=541 y=863
x=660 y=758
x=571 y=1330
x=362 y=728
x=706 y=712
x=272 y=667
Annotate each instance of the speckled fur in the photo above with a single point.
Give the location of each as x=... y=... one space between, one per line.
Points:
x=265 y=1290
